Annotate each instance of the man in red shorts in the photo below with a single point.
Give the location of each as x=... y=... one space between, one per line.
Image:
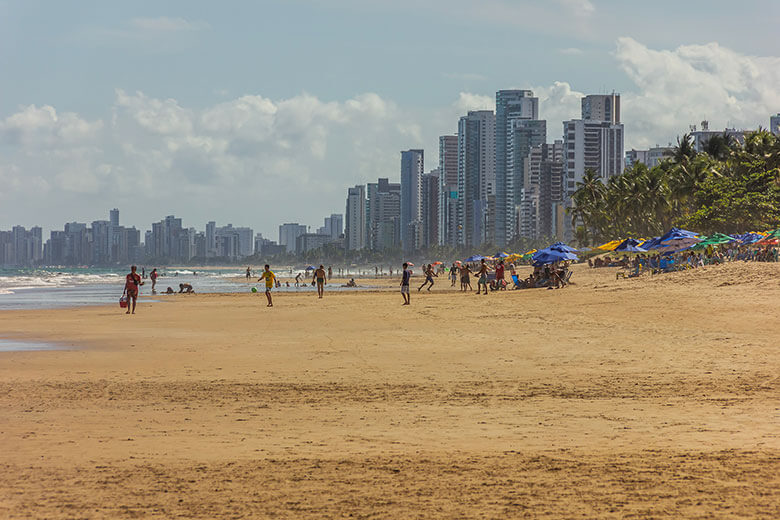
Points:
x=132 y=284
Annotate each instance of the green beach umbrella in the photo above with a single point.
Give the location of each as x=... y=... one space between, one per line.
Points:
x=713 y=240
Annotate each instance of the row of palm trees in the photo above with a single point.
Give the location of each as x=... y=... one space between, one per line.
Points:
x=727 y=187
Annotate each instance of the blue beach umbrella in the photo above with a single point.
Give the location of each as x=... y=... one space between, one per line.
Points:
x=475 y=258
x=501 y=255
x=560 y=246
x=549 y=256
x=630 y=246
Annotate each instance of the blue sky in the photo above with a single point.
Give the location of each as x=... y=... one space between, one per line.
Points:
x=262 y=112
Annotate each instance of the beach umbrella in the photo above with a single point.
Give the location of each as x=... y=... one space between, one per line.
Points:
x=630 y=245
x=768 y=242
x=560 y=246
x=501 y=255
x=773 y=234
x=749 y=238
x=610 y=246
x=475 y=258
x=714 y=240
x=675 y=240
x=410 y=264
x=311 y=268
x=437 y=263
x=549 y=256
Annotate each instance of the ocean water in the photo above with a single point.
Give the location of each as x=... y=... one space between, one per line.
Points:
x=54 y=287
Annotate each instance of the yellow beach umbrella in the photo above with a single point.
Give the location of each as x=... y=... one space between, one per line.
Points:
x=610 y=246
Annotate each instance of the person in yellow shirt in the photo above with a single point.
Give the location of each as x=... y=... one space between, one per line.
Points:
x=269 y=278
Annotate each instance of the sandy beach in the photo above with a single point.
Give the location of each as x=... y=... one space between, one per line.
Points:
x=643 y=398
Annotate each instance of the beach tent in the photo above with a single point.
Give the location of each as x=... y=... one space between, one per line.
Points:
x=475 y=258
x=549 y=256
x=560 y=246
x=630 y=245
x=610 y=246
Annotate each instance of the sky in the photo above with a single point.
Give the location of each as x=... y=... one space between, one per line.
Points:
x=263 y=112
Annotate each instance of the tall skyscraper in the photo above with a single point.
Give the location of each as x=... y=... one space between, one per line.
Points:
x=288 y=233
x=412 y=164
x=383 y=209
x=525 y=134
x=211 y=239
x=430 y=208
x=511 y=105
x=594 y=142
x=355 y=231
x=542 y=191
x=602 y=107
x=114 y=217
x=476 y=175
x=448 y=189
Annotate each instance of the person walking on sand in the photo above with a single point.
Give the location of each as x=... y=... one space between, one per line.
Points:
x=269 y=278
x=454 y=274
x=500 y=282
x=132 y=286
x=319 y=277
x=482 y=273
x=330 y=272
x=153 y=278
x=248 y=273
x=465 y=278
x=429 y=274
x=407 y=275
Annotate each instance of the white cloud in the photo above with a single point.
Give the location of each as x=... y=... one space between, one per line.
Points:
x=468 y=101
x=675 y=88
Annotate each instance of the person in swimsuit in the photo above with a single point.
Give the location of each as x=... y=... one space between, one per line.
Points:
x=319 y=277
x=248 y=273
x=482 y=272
x=407 y=275
x=465 y=280
x=153 y=278
x=454 y=274
x=132 y=285
x=429 y=274
x=269 y=278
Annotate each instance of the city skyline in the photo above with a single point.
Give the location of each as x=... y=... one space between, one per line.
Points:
x=268 y=144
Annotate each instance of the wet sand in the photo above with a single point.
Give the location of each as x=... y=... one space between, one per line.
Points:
x=648 y=398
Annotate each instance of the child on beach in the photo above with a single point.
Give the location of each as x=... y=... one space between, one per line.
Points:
x=269 y=278
x=405 y=277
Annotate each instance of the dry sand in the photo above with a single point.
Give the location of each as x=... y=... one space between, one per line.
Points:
x=647 y=398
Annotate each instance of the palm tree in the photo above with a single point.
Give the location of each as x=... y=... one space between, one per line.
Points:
x=684 y=150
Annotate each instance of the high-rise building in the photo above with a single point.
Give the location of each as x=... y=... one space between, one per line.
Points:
x=211 y=239
x=591 y=145
x=476 y=175
x=526 y=134
x=542 y=191
x=511 y=105
x=448 y=190
x=602 y=107
x=333 y=226
x=383 y=215
x=355 y=230
x=288 y=233
x=114 y=217
x=594 y=142
x=412 y=167
x=430 y=208
x=20 y=247
x=774 y=124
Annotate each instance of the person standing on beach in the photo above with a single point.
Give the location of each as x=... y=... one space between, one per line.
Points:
x=454 y=274
x=153 y=278
x=330 y=272
x=407 y=275
x=248 y=273
x=132 y=286
x=465 y=279
x=319 y=277
x=500 y=275
x=482 y=273
x=269 y=278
